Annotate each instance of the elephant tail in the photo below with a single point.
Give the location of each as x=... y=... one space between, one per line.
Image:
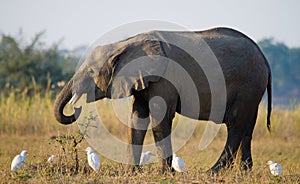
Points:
x=269 y=90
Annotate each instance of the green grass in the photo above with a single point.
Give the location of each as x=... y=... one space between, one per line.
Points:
x=28 y=123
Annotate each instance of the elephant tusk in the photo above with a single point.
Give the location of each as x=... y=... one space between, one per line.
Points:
x=74 y=99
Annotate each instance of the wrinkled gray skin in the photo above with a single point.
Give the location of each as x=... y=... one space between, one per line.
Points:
x=246 y=72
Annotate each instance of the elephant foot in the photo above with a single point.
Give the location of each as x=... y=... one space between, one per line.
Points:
x=215 y=170
x=220 y=165
x=132 y=170
x=211 y=172
x=168 y=170
x=167 y=166
x=246 y=166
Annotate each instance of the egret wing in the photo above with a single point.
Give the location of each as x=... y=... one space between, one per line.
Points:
x=144 y=158
x=96 y=161
x=181 y=165
x=175 y=164
x=17 y=162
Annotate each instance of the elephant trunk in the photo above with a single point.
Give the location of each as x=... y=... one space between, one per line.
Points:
x=62 y=99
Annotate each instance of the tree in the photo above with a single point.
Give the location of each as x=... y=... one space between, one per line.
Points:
x=31 y=68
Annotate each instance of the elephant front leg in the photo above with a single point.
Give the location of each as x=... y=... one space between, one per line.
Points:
x=162 y=139
x=161 y=128
x=138 y=125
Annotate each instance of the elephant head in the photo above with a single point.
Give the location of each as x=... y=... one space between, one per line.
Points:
x=113 y=71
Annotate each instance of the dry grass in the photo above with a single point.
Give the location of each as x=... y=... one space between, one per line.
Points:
x=29 y=124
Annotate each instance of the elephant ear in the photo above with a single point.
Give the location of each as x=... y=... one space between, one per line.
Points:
x=134 y=66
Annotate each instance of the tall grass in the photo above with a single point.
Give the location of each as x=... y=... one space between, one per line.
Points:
x=21 y=115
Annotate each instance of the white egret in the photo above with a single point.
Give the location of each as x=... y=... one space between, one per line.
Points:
x=275 y=168
x=51 y=158
x=93 y=159
x=18 y=161
x=145 y=156
x=178 y=164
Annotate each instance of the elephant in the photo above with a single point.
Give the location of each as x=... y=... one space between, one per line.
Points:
x=246 y=75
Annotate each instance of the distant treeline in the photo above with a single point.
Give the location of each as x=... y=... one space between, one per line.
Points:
x=30 y=68
x=285 y=66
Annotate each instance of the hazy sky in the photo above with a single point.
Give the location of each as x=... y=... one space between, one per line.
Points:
x=81 y=22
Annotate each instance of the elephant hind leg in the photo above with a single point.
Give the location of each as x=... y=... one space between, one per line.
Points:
x=229 y=153
x=247 y=163
x=237 y=126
